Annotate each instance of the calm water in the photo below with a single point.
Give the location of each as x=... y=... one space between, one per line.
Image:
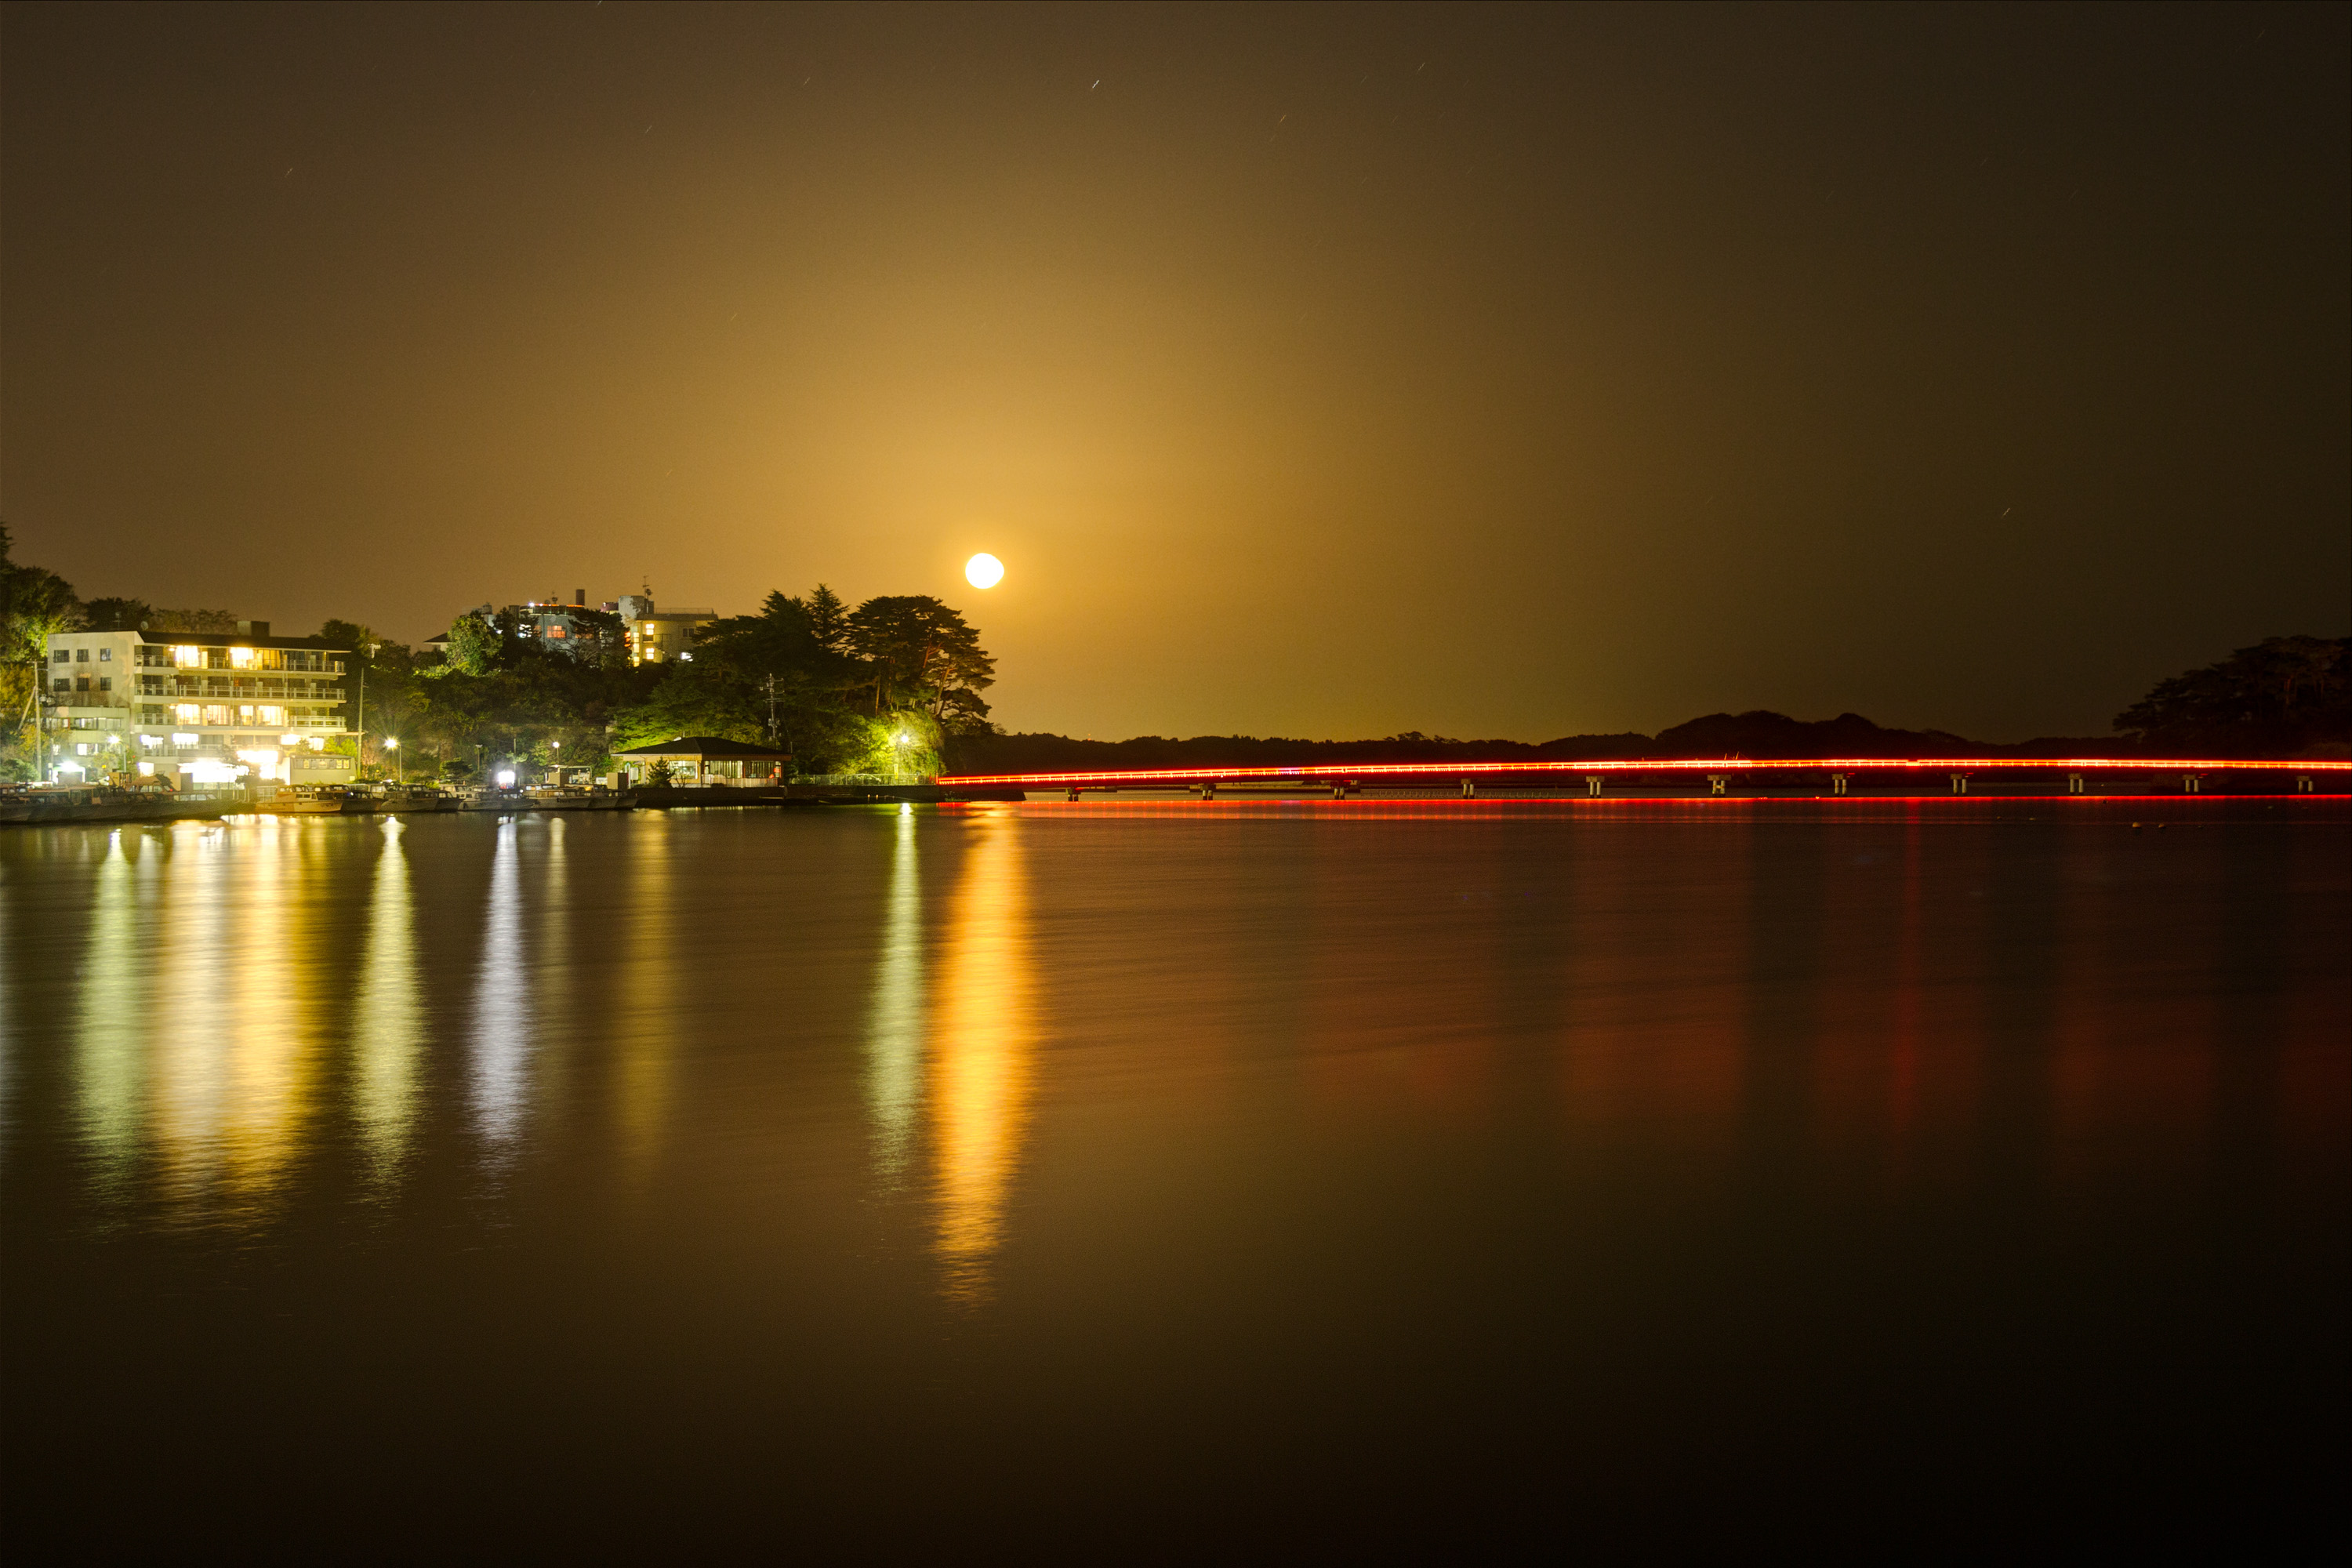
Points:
x=1161 y=1179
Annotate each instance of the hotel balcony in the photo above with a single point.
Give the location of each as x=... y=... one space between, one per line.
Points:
x=264 y=661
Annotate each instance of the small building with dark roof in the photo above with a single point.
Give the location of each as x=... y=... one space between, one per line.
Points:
x=708 y=760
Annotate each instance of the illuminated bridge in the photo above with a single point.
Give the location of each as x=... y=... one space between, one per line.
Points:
x=1705 y=776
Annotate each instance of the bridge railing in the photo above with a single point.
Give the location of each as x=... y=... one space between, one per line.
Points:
x=862 y=779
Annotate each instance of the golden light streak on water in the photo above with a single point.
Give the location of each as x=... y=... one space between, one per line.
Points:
x=503 y=1000
x=256 y=1045
x=894 y=1019
x=112 y=1021
x=191 y=1044
x=982 y=1066
x=552 y=984
x=646 y=1023
x=388 y=1034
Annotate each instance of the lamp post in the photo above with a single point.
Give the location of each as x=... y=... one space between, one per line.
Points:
x=397 y=776
x=359 y=747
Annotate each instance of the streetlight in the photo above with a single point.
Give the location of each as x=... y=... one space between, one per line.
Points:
x=397 y=776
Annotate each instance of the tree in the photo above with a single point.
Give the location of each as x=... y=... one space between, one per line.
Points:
x=474 y=646
x=222 y=622
x=920 y=654
x=599 y=639
x=34 y=603
x=351 y=635
x=828 y=619
x=515 y=628
x=692 y=699
x=2282 y=695
x=117 y=615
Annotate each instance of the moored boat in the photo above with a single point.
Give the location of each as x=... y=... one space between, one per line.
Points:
x=315 y=800
x=410 y=800
x=489 y=797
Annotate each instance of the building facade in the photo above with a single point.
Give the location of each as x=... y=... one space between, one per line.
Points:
x=657 y=636
x=706 y=760
x=197 y=707
x=652 y=636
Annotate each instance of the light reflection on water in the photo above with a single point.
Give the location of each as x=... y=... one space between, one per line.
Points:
x=1193 y=1116
x=651 y=1024
x=502 y=999
x=113 y=1023
x=237 y=1038
x=388 y=1020
x=895 y=1023
x=985 y=1043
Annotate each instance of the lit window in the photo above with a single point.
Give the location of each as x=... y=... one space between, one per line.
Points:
x=188 y=657
x=105 y=654
x=242 y=658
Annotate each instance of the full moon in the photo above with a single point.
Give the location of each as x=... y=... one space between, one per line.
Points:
x=984 y=571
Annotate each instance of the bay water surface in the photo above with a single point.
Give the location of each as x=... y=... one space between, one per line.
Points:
x=1281 y=1179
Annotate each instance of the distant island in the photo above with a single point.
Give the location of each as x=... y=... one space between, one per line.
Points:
x=2286 y=696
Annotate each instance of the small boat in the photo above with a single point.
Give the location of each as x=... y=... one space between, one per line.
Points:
x=84 y=803
x=576 y=798
x=315 y=800
x=411 y=800
x=488 y=797
x=64 y=803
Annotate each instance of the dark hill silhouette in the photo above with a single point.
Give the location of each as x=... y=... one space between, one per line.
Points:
x=2285 y=696
x=1758 y=734
x=1765 y=734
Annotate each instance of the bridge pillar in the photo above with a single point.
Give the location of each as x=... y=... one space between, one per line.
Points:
x=1469 y=788
x=1837 y=784
x=1960 y=784
x=2074 y=783
x=1715 y=783
x=2303 y=784
x=2188 y=783
x=1592 y=784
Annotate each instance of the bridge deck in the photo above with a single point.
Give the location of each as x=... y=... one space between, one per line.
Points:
x=1940 y=775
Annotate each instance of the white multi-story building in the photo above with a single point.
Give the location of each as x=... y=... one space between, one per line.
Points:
x=197 y=707
x=657 y=636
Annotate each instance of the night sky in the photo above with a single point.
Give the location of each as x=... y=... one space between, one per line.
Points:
x=1315 y=370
